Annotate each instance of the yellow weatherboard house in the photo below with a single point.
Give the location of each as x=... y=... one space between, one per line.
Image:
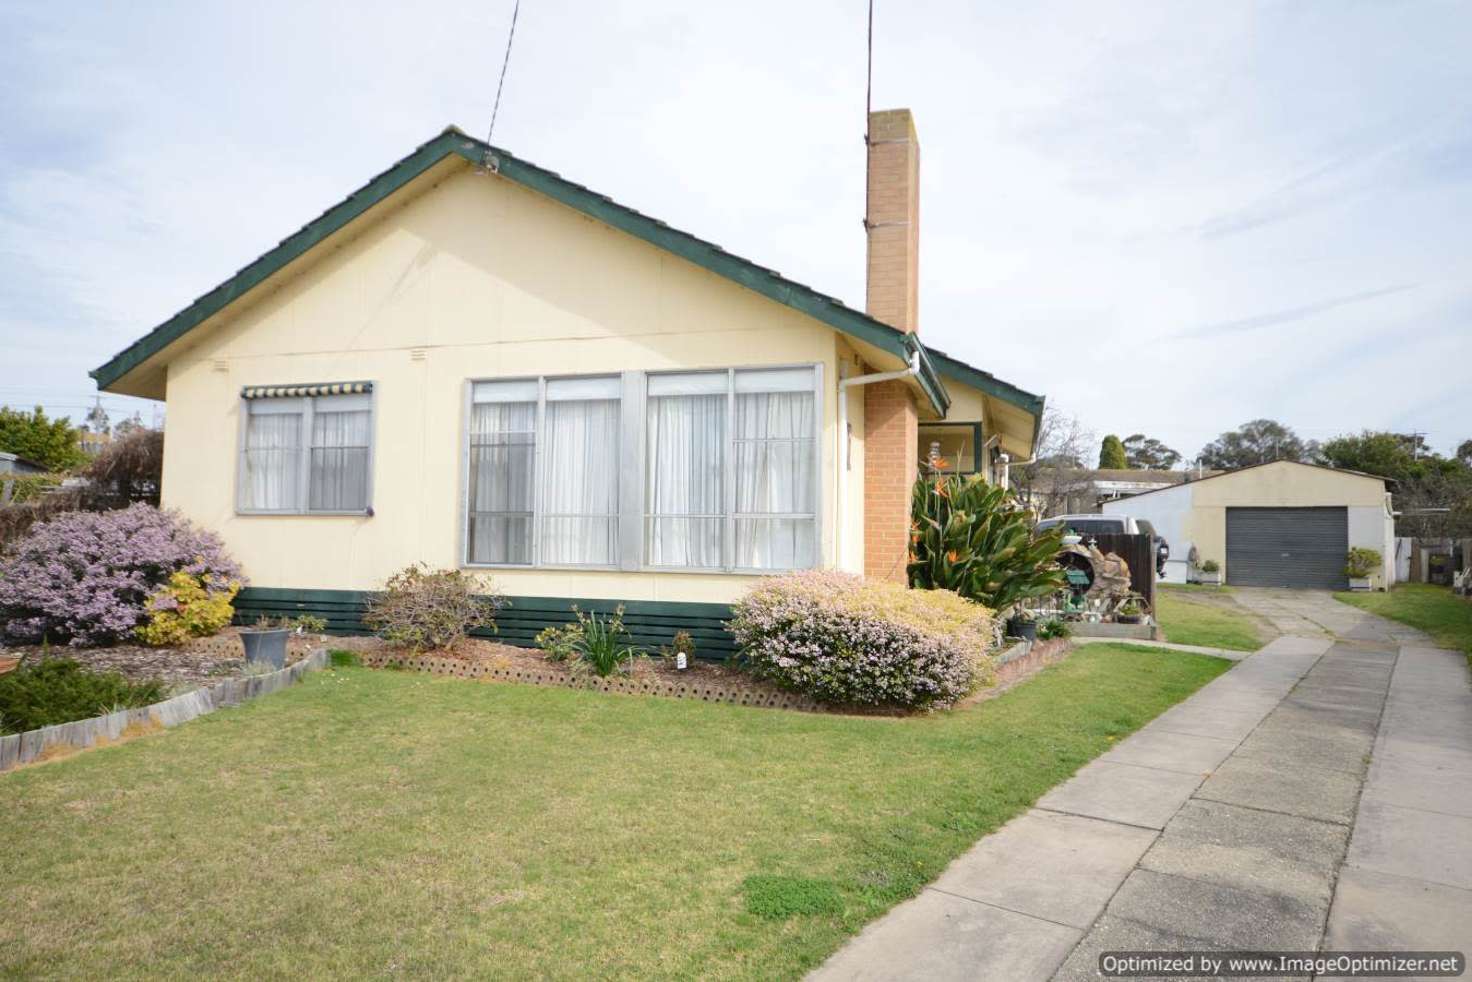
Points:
x=472 y=361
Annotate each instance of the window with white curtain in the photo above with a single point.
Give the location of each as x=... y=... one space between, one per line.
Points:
x=708 y=470
x=731 y=470
x=303 y=454
x=544 y=472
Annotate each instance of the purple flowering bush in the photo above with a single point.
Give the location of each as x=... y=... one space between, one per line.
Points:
x=87 y=578
x=844 y=640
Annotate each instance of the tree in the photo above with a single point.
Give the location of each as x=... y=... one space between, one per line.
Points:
x=133 y=424
x=97 y=420
x=1057 y=470
x=1392 y=455
x=52 y=443
x=1464 y=452
x=1111 y=455
x=1148 y=453
x=1260 y=441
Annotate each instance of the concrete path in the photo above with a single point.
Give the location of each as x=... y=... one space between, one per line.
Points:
x=1225 y=823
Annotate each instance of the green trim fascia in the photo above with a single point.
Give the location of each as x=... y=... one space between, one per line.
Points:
x=988 y=383
x=767 y=282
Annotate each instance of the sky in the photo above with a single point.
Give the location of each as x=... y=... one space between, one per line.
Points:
x=1169 y=218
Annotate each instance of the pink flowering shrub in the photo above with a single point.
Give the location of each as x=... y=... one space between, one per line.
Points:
x=845 y=640
x=86 y=578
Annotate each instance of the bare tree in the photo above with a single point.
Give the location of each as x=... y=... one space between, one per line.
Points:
x=1058 y=471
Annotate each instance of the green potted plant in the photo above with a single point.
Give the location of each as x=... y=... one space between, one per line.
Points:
x=1209 y=573
x=1022 y=624
x=1130 y=612
x=1359 y=566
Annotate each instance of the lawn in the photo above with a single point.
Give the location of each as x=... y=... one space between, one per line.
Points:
x=386 y=823
x=1433 y=609
x=1205 y=616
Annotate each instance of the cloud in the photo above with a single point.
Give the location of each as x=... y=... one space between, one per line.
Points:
x=1292 y=313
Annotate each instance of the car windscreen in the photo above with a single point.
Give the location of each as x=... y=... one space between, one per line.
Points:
x=1088 y=526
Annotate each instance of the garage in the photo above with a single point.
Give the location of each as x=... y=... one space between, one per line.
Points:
x=1279 y=524
x=1288 y=547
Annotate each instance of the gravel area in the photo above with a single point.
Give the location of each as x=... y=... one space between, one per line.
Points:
x=200 y=662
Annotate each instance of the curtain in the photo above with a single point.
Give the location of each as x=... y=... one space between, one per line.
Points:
x=502 y=452
x=684 y=477
x=273 y=461
x=580 y=465
x=776 y=512
x=339 y=461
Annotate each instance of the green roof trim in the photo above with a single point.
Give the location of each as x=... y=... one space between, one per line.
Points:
x=987 y=382
x=767 y=282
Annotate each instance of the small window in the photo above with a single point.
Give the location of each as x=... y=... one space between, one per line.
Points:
x=306 y=453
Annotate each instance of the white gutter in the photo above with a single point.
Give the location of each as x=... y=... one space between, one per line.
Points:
x=841 y=456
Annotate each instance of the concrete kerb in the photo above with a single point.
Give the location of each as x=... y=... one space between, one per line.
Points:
x=23 y=748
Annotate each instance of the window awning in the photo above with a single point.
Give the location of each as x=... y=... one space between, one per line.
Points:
x=297 y=391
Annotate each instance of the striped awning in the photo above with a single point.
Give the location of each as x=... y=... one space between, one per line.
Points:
x=297 y=391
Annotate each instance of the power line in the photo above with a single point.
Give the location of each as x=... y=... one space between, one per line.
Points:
x=510 y=37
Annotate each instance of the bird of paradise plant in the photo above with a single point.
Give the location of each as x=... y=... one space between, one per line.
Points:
x=975 y=539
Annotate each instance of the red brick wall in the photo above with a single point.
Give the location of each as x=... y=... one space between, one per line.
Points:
x=891 y=463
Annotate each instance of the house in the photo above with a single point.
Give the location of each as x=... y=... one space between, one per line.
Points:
x=12 y=464
x=1080 y=491
x=474 y=362
x=1276 y=524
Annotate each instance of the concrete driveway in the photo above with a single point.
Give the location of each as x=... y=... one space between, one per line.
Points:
x=1318 y=795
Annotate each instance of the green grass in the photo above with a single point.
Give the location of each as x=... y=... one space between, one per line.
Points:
x=1433 y=609
x=1187 y=620
x=387 y=823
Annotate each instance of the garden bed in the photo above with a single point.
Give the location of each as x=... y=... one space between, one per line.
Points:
x=199 y=662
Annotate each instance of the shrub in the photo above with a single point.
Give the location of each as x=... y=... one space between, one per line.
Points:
x=59 y=690
x=1211 y=566
x=88 y=578
x=843 y=640
x=560 y=643
x=24 y=488
x=1054 y=628
x=186 y=608
x=422 y=609
x=1361 y=563
x=973 y=538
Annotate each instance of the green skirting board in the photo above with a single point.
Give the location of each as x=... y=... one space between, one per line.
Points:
x=652 y=623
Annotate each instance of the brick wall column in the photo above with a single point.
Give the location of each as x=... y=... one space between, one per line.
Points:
x=891 y=465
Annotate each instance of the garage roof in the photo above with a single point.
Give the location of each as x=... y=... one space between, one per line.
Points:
x=1266 y=463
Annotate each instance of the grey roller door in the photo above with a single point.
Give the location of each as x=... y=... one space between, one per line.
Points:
x=1298 y=547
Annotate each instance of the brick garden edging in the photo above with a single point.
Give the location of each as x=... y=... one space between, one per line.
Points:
x=705 y=692
x=23 y=748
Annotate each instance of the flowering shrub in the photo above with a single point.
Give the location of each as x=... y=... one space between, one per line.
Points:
x=187 y=608
x=841 y=639
x=88 y=578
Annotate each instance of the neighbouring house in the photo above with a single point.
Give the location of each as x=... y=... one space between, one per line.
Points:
x=12 y=464
x=1080 y=491
x=472 y=361
x=1280 y=524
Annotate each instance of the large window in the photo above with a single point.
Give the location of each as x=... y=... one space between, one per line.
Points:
x=544 y=472
x=303 y=452
x=711 y=470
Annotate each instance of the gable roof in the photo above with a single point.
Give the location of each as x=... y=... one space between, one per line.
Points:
x=454 y=142
x=952 y=367
x=1266 y=463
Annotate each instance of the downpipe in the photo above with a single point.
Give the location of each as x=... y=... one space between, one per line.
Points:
x=840 y=456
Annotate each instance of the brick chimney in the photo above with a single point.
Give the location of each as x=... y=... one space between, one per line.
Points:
x=891 y=439
x=893 y=219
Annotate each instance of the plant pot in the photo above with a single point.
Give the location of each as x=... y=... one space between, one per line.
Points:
x=266 y=647
x=1360 y=583
x=1209 y=579
x=1018 y=628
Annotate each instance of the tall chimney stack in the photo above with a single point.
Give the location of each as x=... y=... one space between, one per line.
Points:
x=893 y=219
x=891 y=436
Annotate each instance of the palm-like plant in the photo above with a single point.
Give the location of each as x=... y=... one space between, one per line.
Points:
x=973 y=538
